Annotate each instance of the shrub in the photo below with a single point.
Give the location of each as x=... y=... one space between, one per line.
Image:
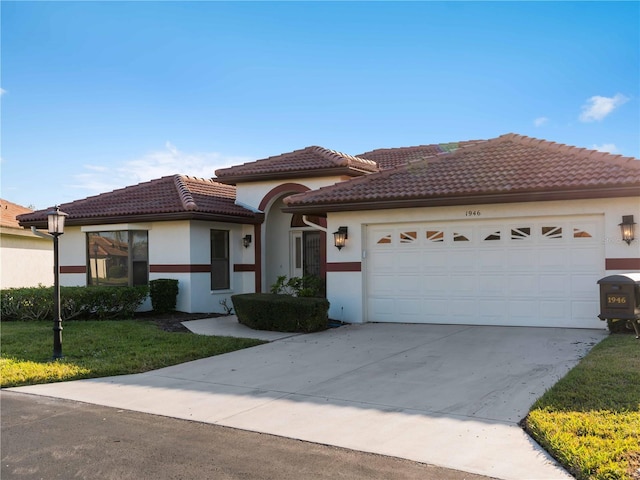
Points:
x=281 y=313
x=307 y=286
x=164 y=294
x=24 y=304
x=619 y=326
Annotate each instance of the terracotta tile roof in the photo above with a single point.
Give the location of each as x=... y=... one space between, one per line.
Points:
x=310 y=161
x=9 y=212
x=510 y=168
x=393 y=157
x=166 y=198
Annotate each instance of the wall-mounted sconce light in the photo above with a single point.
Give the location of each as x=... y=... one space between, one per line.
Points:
x=627 y=228
x=340 y=237
x=246 y=241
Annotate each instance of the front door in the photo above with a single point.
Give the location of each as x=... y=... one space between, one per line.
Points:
x=305 y=253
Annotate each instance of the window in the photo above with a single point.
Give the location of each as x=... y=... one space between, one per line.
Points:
x=118 y=258
x=220 y=260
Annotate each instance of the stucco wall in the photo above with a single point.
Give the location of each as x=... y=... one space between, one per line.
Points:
x=25 y=260
x=345 y=289
x=178 y=250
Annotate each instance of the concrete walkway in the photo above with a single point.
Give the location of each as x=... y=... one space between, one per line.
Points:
x=447 y=395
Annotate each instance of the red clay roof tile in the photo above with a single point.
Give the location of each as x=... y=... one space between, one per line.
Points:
x=175 y=196
x=393 y=157
x=305 y=162
x=496 y=169
x=9 y=212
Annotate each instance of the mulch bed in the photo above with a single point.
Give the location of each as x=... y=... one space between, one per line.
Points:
x=172 y=321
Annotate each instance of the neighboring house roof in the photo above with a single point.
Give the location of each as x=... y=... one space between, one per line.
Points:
x=510 y=168
x=308 y=162
x=175 y=197
x=393 y=157
x=9 y=212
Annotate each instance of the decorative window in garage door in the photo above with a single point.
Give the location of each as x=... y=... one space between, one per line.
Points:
x=551 y=232
x=520 y=233
x=435 y=236
x=580 y=233
x=408 y=237
x=460 y=237
x=493 y=236
x=385 y=239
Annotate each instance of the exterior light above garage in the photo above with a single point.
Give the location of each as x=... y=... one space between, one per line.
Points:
x=340 y=237
x=627 y=228
x=246 y=241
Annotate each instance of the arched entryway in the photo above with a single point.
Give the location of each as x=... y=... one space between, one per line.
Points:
x=291 y=247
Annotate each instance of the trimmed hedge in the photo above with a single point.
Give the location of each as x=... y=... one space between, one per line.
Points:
x=164 y=294
x=281 y=313
x=24 y=304
x=619 y=326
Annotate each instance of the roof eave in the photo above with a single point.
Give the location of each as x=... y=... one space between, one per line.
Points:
x=458 y=200
x=261 y=177
x=109 y=220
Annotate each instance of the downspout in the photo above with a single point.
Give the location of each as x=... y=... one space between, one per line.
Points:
x=314 y=225
x=38 y=233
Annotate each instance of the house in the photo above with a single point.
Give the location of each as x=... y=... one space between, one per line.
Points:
x=508 y=231
x=26 y=260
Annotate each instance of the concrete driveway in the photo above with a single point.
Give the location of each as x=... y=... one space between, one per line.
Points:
x=447 y=395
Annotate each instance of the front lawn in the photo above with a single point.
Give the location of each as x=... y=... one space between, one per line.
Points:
x=99 y=349
x=590 y=420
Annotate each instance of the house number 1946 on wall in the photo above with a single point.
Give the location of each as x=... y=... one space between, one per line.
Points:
x=472 y=213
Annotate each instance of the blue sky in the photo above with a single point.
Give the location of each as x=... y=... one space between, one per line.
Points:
x=100 y=95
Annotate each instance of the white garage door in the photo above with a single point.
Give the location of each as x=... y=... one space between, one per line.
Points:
x=527 y=272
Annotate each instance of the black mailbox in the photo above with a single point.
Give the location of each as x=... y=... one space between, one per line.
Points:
x=620 y=298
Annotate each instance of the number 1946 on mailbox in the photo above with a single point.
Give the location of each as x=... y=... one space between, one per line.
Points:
x=616 y=300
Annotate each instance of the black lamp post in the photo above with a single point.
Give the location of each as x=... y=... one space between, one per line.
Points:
x=56 y=228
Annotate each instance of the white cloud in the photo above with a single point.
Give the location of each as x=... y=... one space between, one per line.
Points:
x=598 y=107
x=169 y=161
x=540 y=121
x=2 y=91
x=606 y=147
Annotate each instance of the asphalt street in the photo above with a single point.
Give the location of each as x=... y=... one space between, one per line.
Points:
x=48 y=438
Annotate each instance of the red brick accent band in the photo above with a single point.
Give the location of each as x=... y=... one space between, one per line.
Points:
x=244 y=267
x=73 y=269
x=185 y=268
x=622 y=264
x=344 y=267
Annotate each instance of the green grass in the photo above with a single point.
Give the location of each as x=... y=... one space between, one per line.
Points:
x=590 y=420
x=98 y=349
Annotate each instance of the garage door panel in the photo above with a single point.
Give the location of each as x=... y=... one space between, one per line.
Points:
x=523 y=285
x=557 y=311
x=493 y=284
x=587 y=309
x=382 y=285
x=434 y=261
x=554 y=285
x=462 y=260
x=492 y=260
x=529 y=272
x=522 y=309
x=584 y=286
x=408 y=284
x=553 y=259
x=382 y=262
x=434 y=284
x=519 y=259
x=407 y=261
x=462 y=285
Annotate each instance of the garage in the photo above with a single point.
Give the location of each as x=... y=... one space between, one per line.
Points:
x=539 y=271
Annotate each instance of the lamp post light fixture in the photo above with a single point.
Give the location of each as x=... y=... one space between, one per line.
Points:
x=627 y=229
x=340 y=237
x=56 y=228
